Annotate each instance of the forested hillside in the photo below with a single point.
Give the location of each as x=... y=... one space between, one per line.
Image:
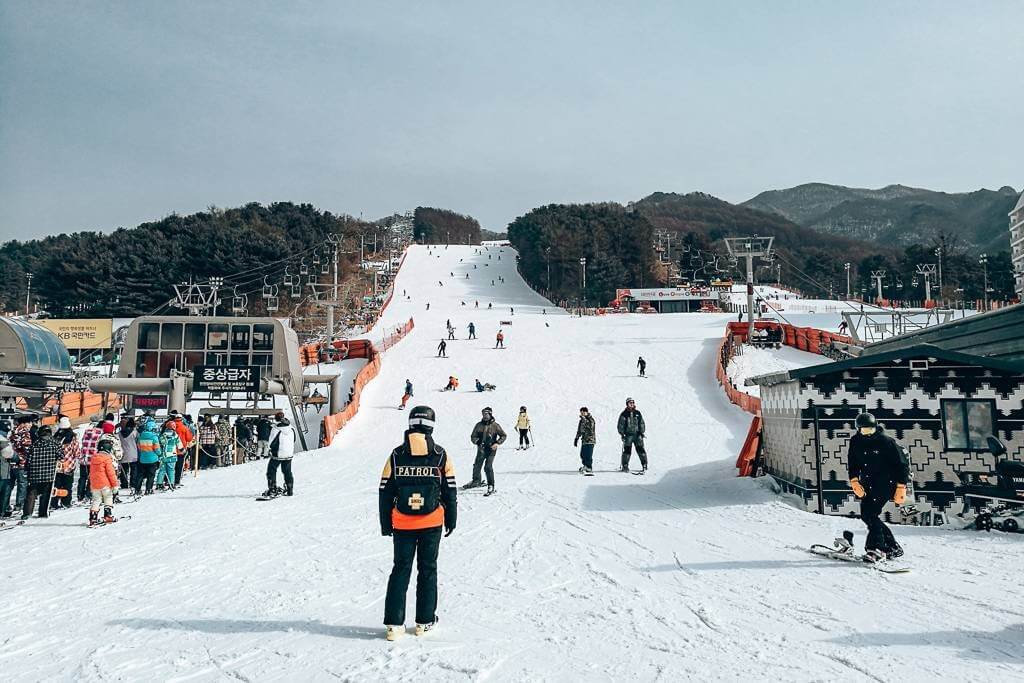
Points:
x=441 y=226
x=897 y=214
x=618 y=245
x=132 y=271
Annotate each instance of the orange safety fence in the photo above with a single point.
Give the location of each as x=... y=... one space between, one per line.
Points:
x=808 y=339
x=78 y=406
x=361 y=348
x=748 y=454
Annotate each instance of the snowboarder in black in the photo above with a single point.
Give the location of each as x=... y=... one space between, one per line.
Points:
x=642 y=364
x=441 y=349
x=417 y=498
x=487 y=436
x=586 y=431
x=631 y=429
x=879 y=472
x=472 y=331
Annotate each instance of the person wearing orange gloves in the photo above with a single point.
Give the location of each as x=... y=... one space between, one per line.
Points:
x=879 y=472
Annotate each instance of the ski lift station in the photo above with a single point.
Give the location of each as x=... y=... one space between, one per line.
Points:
x=182 y=358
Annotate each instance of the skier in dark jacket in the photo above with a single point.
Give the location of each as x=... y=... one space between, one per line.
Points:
x=642 y=364
x=42 y=466
x=472 y=331
x=263 y=429
x=879 y=472
x=441 y=349
x=487 y=436
x=631 y=429
x=417 y=498
x=586 y=431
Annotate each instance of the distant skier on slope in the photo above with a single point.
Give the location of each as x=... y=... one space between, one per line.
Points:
x=407 y=395
x=472 y=331
x=642 y=364
x=878 y=473
x=487 y=436
x=523 y=427
x=586 y=431
x=441 y=349
x=417 y=498
x=451 y=332
x=499 y=340
x=631 y=428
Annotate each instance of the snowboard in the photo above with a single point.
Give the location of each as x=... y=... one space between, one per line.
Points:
x=832 y=553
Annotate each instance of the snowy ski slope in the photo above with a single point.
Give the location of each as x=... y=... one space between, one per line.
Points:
x=686 y=574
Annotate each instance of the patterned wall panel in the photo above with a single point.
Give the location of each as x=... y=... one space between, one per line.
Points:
x=907 y=403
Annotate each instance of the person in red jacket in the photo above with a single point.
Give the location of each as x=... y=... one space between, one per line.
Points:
x=102 y=483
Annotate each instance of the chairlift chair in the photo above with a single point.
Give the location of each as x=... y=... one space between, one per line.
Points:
x=268 y=289
x=289 y=279
x=296 y=290
x=239 y=302
x=303 y=268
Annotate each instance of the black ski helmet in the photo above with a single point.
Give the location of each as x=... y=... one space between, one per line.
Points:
x=421 y=419
x=866 y=420
x=522 y=409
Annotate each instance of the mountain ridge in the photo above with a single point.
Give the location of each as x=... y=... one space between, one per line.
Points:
x=896 y=214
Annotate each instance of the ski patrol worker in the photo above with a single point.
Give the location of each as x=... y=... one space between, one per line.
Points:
x=417 y=498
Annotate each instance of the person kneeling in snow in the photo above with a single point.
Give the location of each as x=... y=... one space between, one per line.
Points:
x=484 y=387
x=453 y=383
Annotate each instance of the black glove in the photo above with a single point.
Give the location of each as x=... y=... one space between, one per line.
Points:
x=385 y=532
x=576 y=441
x=449 y=531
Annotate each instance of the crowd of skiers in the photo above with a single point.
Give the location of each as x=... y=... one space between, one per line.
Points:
x=134 y=455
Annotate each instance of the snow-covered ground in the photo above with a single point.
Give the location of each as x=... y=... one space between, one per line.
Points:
x=688 y=573
x=754 y=360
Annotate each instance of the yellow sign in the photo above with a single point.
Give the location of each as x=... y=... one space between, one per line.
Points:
x=91 y=333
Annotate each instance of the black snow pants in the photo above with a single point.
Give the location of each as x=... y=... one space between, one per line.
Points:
x=423 y=545
x=628 y=441
x=286 y=470
x=147 y=473
x=40 y=490
x=587 y=455
x=485 y=460
x=879 y=535
x=524 y=437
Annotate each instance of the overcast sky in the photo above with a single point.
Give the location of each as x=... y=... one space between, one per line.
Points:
x=116 y=113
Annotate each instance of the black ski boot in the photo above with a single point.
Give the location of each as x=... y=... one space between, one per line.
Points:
x=108 y=515
x=94 y=517
x=289 y=489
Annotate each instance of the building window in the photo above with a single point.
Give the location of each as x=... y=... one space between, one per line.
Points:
x=217 y=337
x=195 y=336
x=967 y=424
x=240 y=338
x=149 y=336
x=262 y=337
x=170 y=336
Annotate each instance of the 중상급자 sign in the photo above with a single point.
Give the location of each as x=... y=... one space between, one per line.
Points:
x=241 y=378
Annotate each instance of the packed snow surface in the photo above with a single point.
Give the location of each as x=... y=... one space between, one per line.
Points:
x=688 y=573
x=754 y=360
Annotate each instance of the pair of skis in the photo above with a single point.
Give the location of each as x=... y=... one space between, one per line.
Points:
x=116 y=520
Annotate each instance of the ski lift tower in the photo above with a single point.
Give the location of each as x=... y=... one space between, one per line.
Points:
x=749 y=248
